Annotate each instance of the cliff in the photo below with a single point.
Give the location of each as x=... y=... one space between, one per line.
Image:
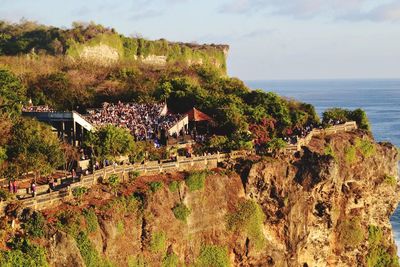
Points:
x=97 y=44
x=328 y=205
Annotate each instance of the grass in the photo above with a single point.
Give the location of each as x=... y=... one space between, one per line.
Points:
x=155 y=186
x=350 y=232
x=196 y=180
x=350 y=154
x=92 y=224
x=213 y=256
x=328 y=151
x=390 y=180
x=158 y=242
x=120 y=227
x=248 y=218
x=181 y=212
x=366 y=147
x=170 y=260
x=89 y=254
x=136 y=261
x=173 y=186
x=133 y=175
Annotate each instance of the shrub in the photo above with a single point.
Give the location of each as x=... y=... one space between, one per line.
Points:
x=378 y=255
x=215 y=256
x=133 y=175
x=350 y=232
x=113 y=180
x=366 y=147
x=390 y=180
x=328 y=151
x=170 y=260
x=173 y=186
x=23 y=253
x=69 y=222
x=350 y=154
x=181 y=212
x=248 y=218
x=196 y=180
x=4 y=195
x=79 y=191
x=157 y=242
x=92 y=223
x=155 y=186
x=35 y=225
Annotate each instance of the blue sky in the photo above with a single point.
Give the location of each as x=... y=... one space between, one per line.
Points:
x=269 y=39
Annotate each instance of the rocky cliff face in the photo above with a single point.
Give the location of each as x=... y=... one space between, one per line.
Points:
x=327 y=206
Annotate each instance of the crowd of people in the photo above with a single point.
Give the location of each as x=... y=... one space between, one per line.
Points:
x=31 y=108
x=145 y=121
x=298 y=133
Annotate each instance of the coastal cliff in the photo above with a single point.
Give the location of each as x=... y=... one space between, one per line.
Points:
x=328 y=205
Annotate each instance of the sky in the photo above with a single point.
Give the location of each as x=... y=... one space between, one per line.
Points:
x=269 y=39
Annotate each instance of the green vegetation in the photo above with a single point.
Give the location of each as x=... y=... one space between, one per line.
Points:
x=158 y=242
x=173 y=186
x=214 y=256
x=23 y=253
x=350 y=232
x=113 y=181
x=338 y=114
x=35 y=225
x=276 y=144
x=120 y=227
x=92 y=223
x=328 y=151
x=133 y=175
x=366 y=147
x=110 y=142
x=196 y=180
x=79 y=191
x=350 y=154
x=170 y=260
x=5 y=195
x=33 y=147
x=155 y=186
x=88 y=251
x=390 y=180
x=248 y=218
x=181 y=212
x=378 y=255
x=136 y=261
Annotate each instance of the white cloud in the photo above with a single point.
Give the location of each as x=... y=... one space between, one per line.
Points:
x=385 y=10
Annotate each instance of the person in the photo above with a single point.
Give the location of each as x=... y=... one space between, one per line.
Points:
x=10 y=186
x=73 y=174
x=33 y=188
x=14 y=185
x=51 y=183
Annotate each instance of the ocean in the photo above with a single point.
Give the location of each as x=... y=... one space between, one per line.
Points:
x=379 y=98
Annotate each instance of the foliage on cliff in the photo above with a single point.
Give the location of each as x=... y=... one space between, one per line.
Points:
x=31 y=37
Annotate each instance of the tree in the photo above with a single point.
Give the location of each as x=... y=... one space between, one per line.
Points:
x=110 y=141
x=33 y=147
x=12 y=93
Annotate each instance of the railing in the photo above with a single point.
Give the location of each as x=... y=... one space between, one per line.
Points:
x=45 y=198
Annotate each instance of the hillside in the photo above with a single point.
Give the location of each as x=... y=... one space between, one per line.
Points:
x=95 y=43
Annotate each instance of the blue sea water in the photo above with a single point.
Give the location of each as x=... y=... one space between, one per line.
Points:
x=379 y=98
